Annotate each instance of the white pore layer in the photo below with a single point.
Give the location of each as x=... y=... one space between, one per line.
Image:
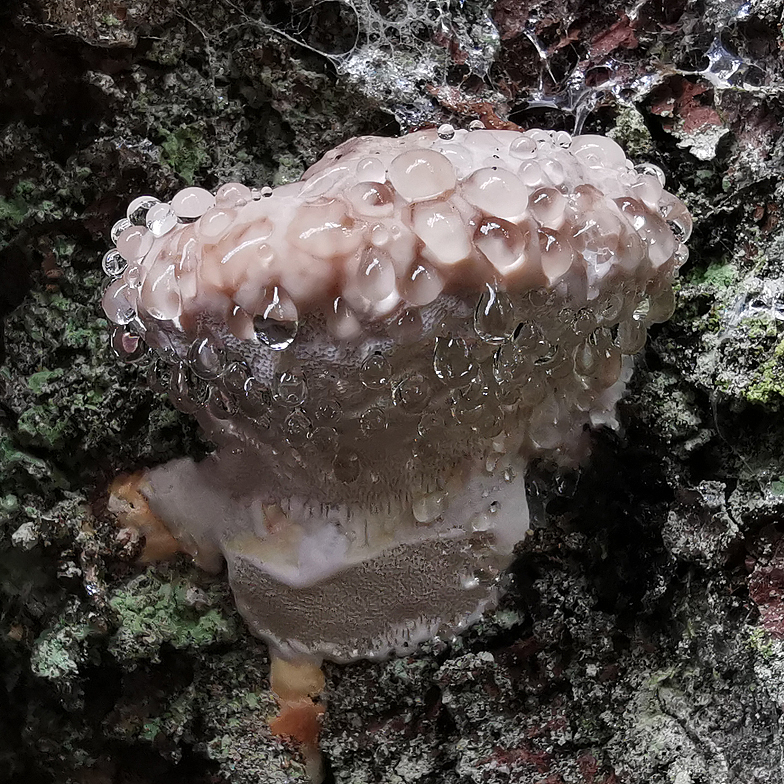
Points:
x=379 y=350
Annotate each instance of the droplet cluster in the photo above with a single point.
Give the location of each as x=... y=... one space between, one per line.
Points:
x=412 y=313
x=485 y=283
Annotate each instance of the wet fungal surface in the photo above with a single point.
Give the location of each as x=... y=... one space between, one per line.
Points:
x=378 y=351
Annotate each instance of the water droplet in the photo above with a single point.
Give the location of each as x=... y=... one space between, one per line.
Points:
x=134 y=243
x=412 y=394
x=207 y=359
x=494 y=316
x=446 y=132
x=327 y=412
x=255 y=401
x=632 y=335
x=191 y=203
x=297 y=429
x=346 y=466
x=523 y=147
x=376 y=274
x=119 y=228
x=325 y=440
x=451 y=361
x=476 y=125
x=160 y=219
x=407 y=327
x=119 y=302
x=278 y=324
x=126 y=346
x=113 y=264
x=651 y=170
x=266 y=191
x=642 y=309
x=375 y=371
x=235 y=377
x=221 y=404
x=137 y=209
x=232 y=194
x=662 y=306
x=429 y=507
x=290 y=387
x=372 y=421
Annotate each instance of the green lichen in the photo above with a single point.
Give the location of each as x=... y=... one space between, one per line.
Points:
x=184 y=149
x=767 y=385
x=719 y=275
x=157 y=608
x=760 y=641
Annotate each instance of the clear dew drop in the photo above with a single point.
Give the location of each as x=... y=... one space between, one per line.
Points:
x=119 y=228
x=651 y=170
x=235 y=377
x=160 y=219
x=113 y=264
x=137 y=209
x=476 y=125
x=451 y=360
x=375 y=371
x=207 y=359
x=642 y=309
x=429 y=507
x=126 y=346
x=327 y=412
x=117 y=302
x=373 y=421
x=221 y=404
x=277 y=326
x=494 y=318
x=446 y=132
x=278 y=335
x=297 y=429
x=325 y=440
x=412 y=394
x=290 y=387
x=632 y=335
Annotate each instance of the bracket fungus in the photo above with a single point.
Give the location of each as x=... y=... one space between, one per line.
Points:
x=378 y=352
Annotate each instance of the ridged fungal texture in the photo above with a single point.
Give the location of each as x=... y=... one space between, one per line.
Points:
x=379 y=350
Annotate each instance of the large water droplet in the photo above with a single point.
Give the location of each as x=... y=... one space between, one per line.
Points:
x=290 y=387
x=278 y=335
x=375 y=371
x=207 y=359
x=325 y=440
x=278 y=324
x=221 y=404
x=113 y=264
x=412 y=393
x=296 y=429
x=127 y=346
x=160 y=219
x=429 y=507
x=119 y=302
x=494 y=319
x=446 y=132
x=451 y=361
x=119 y=228
x=373 y=421
x=137 y=209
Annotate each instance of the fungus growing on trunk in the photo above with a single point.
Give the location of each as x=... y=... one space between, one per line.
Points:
x=378 y=351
